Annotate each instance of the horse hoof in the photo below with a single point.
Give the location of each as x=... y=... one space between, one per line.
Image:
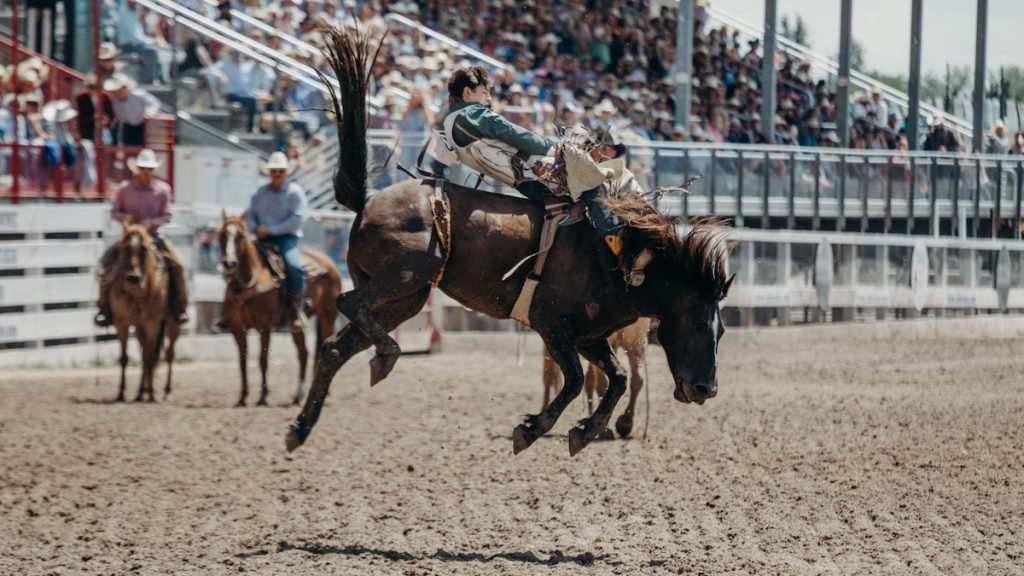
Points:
x=119 y=398
x=577 y=440
x=296 y=401
x=380 y=367
x=606 y=434
x=292 y=439
x=520 y=439
x=241 y=404
x=624 y=426
x=262 y=402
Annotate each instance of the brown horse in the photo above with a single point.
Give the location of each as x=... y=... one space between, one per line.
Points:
x=253 y=301
x=633 y=339
x=395 y=254
x=138 y=297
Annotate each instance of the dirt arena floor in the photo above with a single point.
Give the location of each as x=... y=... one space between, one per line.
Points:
x=884 y=458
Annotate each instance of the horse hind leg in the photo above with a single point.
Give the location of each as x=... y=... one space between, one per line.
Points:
x=173 y=331
x=371 y=308
x=624 y=423
x=337 y=350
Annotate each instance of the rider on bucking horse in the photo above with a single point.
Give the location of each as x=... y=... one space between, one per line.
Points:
x=488 y=143
x=144 y=199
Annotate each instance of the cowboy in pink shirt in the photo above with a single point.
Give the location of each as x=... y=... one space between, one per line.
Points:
x=145 y=199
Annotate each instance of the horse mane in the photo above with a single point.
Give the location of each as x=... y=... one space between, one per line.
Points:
x=700 y=253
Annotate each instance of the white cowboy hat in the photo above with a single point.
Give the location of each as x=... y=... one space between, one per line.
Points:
x=605 y=106
x=277 y=161
x=146 y=159
x=59 y=111
x=118 y=81
x=108 y=51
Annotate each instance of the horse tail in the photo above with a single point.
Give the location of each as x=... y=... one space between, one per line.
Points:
x=349 y=54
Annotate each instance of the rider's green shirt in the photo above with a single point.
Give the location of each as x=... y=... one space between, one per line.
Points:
x=476 y=121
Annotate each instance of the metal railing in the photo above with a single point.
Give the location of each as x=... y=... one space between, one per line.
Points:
x=831 y=67
x=788 y=187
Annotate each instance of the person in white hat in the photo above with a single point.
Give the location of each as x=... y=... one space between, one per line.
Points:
x=131 y=105
x=275 y=215
x=145 y=199
x=998 y=140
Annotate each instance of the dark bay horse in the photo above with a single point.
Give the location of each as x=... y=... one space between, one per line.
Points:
x=633 y=341
x=252 y=301
x=138 y=297
x=395 y=254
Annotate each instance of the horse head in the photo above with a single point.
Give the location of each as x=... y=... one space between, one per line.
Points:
x=685 y=282
x=235 y=246
x=138 y=263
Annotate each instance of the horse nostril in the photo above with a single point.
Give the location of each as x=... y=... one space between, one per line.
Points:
x=701 y=390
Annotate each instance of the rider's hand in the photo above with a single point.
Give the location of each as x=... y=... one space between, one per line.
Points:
x=262 y=230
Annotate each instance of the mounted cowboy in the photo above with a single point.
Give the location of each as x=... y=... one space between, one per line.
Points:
x=275 y=215
x=488 y=143
x=145 y=199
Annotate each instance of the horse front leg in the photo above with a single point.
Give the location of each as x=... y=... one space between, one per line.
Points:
x=562 y=346
x=299 y=337
x=264 y=353
x=599 y=353
x=122 y=336
x=243 y=345
x=145 y=345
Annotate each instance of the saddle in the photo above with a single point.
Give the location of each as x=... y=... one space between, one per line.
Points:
x=273 y=260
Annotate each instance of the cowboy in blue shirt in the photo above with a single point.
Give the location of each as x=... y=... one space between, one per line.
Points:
x=275 y=215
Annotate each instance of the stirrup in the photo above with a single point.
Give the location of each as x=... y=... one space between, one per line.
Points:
x=102 y=320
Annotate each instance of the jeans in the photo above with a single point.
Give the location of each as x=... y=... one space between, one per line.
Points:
x=131 y=135
x=605 y=221
x=151 y=67
x=249 y=105
x=295 y=276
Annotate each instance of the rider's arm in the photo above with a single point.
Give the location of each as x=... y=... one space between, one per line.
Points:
x=491 y=125
x=164 y=215
x=296 y=200
x=251 y=221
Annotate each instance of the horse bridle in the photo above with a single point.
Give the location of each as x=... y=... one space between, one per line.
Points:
x=231 y=256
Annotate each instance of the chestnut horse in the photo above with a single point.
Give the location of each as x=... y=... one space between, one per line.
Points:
x=633 y=339
x=396 y=254
x=253 y=301
x=138 y=297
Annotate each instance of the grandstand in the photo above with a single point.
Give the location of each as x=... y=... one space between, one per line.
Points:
x=835 y=211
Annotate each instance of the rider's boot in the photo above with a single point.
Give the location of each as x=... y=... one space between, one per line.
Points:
x=103 y=318
x=179 y=291
x=607 y=224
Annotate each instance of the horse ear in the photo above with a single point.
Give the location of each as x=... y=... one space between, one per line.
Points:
x=223 y=215
x=728 y=283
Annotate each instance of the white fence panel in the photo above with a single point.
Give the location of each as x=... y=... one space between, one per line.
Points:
x=31 y=290
x=45 y=218
x=46 y=325
x=50 y=254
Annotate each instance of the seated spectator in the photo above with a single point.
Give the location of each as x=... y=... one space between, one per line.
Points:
x=242 y=80
x=132 y=38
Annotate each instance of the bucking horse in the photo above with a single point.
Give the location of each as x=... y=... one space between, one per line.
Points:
x=406 y=238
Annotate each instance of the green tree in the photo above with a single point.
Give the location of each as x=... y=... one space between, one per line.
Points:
x=800 y=33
